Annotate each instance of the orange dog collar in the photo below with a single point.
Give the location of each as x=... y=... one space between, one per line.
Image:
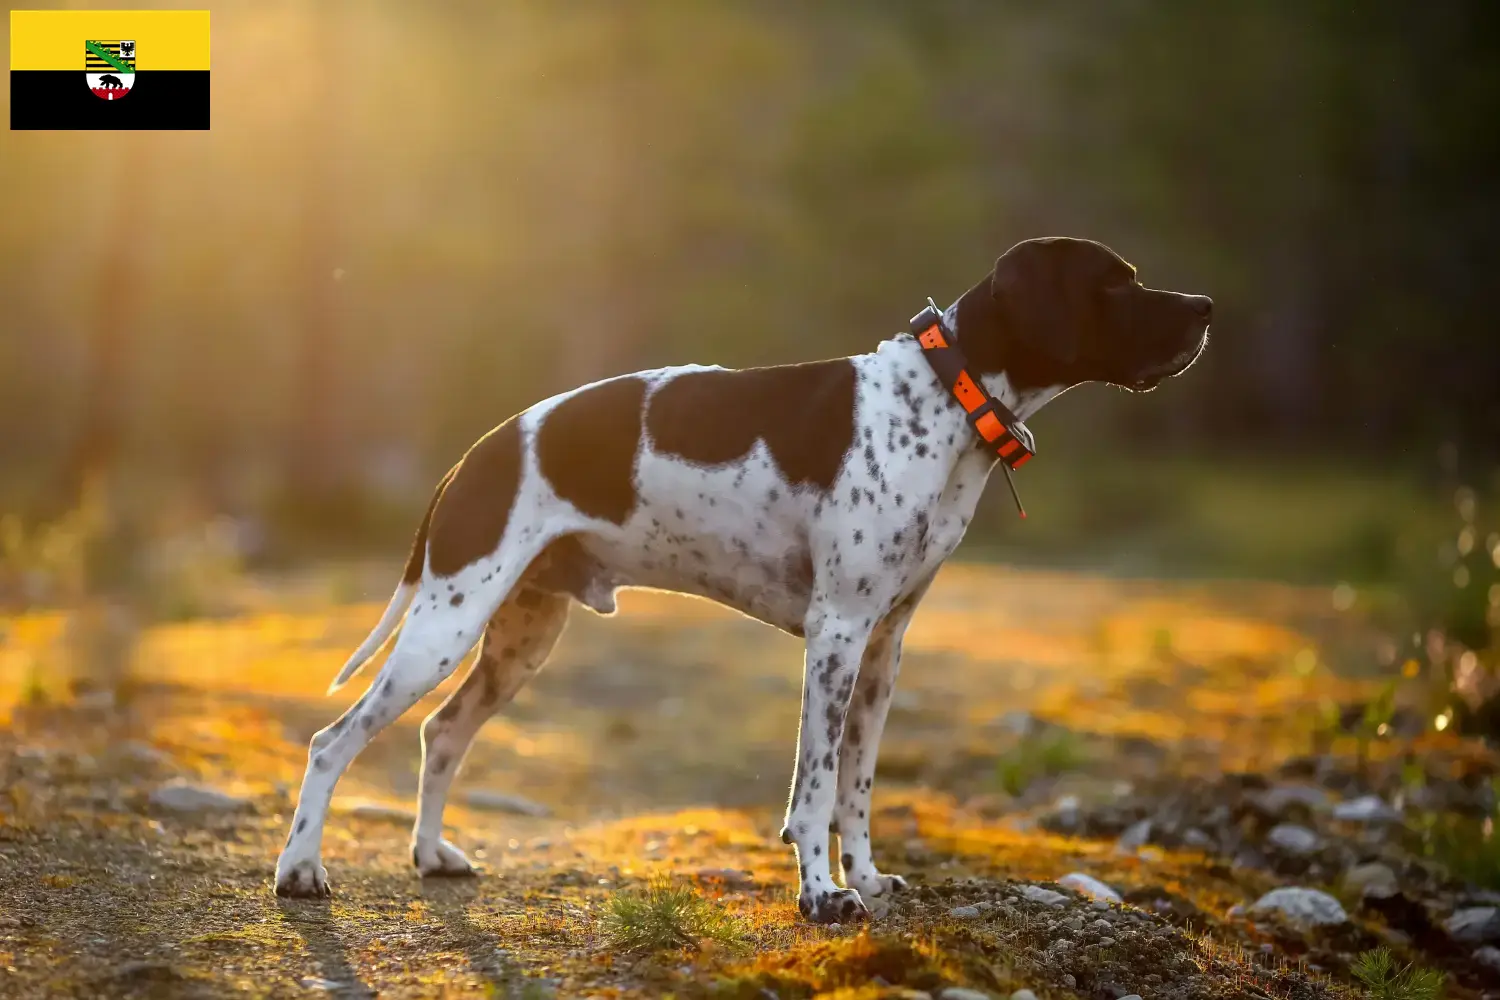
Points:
x=995 y=424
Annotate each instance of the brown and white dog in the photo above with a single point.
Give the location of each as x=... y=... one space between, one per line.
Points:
x=819 y=498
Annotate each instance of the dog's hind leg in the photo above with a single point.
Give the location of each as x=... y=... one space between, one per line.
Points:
x=423 y=656
x=446 y=620
x=516 y=643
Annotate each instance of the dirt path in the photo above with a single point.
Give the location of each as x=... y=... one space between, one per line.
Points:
x=659 y=741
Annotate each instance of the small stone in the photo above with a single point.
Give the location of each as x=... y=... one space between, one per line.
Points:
x=964 y=912
x=729 y=876
x=326 y=985
x=1065 y=813
x=1474 y=925
x=1101 y=904
x=138 y=752
x=1366 y=809
x=1301 y=907
x=1069 y=981
x=1131 y=996
x=1134 y=837
x=1023 y=995
x=481 y=798
x=961 y=993
x=1037 y=894
x=1102 y=926
x=1106 y=942
x=1087 y=885
x=1198 y=840
x=366 y=809
x=180 y=796
x=1373 y=879
x=1277 y=801
x=1296 y=840
x=144 y=970
x=1489 y=956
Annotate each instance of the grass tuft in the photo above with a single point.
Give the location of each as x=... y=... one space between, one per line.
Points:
x=665 y=915
x=1046 y=755
x=1466 y=845
x=848 y=966
x=1377 y=970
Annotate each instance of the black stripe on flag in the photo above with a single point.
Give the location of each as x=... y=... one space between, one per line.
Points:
x=61 y=99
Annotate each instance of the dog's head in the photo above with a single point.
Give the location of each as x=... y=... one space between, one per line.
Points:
x=1060 y=311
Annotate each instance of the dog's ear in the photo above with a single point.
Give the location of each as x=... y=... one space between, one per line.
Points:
x=1043 y=289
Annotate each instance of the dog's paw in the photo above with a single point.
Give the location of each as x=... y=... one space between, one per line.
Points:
x=837 y=906
x=439 y=860
x=302 y=880
x=876 y=886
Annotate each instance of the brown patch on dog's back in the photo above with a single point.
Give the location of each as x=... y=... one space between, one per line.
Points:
x=470 y=512
x=804 y=414
x=586 y=447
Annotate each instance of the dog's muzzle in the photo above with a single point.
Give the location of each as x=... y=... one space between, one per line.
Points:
x=1179 y=363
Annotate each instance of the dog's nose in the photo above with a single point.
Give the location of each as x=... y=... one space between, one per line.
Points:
x=1202 y=305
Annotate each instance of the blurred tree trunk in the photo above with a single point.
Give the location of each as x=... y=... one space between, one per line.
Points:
x=92 y=456
x=315 y=467
x=99 y=583
x=600 y=339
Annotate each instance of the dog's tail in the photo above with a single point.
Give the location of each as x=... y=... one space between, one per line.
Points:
x=395 y=611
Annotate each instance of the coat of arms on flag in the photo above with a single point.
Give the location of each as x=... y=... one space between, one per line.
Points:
x=109 y=68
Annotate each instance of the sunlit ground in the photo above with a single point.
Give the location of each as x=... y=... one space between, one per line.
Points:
x=660 y=740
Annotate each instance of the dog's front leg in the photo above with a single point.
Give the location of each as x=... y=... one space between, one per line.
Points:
x=863 y=725
x=835 y=646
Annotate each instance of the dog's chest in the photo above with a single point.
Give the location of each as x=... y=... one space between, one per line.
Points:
x=915 y=476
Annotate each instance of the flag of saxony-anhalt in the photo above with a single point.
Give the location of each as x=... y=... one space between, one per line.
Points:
x=109 y=69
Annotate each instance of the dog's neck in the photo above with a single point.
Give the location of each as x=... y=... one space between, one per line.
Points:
x=966 y=458
x=989 y=366
x=984 y=362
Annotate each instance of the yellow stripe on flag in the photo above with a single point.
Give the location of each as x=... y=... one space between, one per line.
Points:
x=53 y=39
